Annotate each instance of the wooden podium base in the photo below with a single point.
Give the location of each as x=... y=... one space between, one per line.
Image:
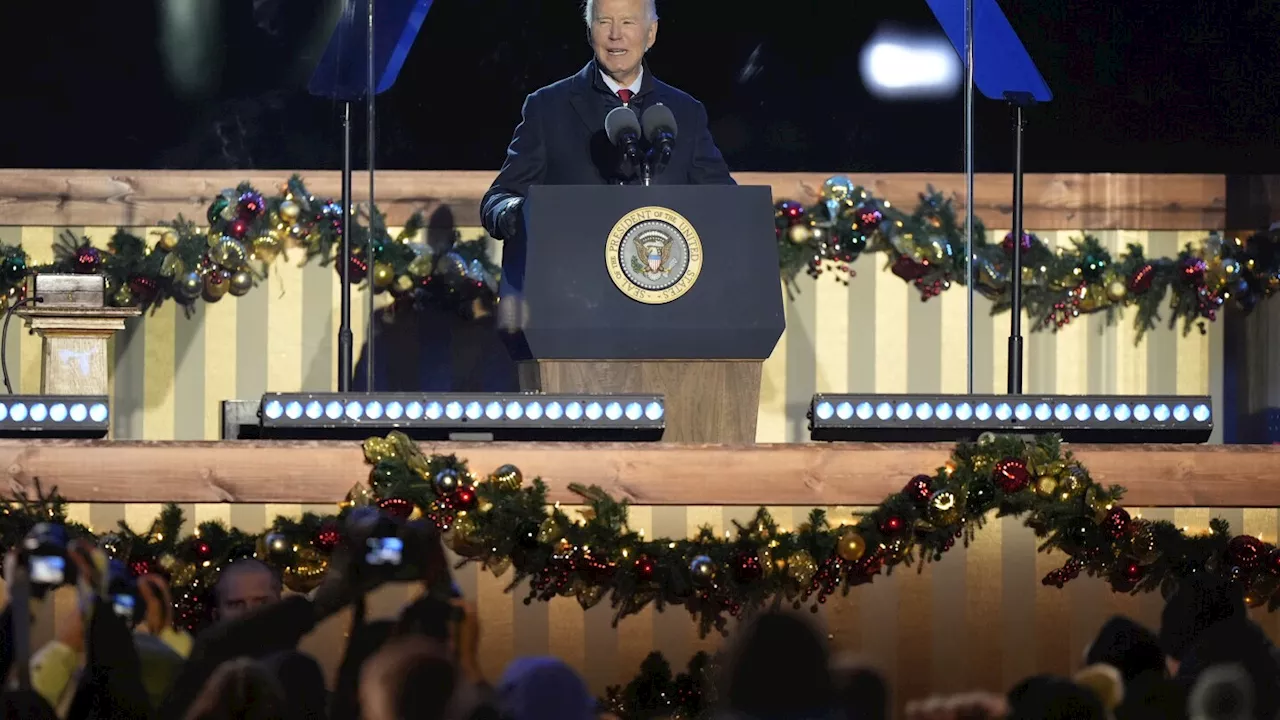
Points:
x=707 y=401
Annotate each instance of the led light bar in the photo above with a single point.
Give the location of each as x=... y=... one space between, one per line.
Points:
x=1105 y=419
x=54 y=416
x=469 y=416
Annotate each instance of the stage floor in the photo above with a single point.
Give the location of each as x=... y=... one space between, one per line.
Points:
x=644 y=473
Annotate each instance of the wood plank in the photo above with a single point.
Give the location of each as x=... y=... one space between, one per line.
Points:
x=647 y=474
x=1062 y=201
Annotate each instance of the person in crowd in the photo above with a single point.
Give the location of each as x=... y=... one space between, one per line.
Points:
x=1200 y=601
x=751 y=677
x=1128 y=647
x=409 y=677
x=862 y=692
x=240 y=689
x=1045 y=697
x=301 y=684
x=543 y=688
x=243 y=586
x=1240 y=642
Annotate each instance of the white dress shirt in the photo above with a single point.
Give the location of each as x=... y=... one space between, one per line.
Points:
x=614 y=87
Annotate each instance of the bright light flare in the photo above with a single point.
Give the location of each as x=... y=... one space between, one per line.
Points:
x=900 y=66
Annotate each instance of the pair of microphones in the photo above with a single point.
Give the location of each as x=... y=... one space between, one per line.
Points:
x=657 y=127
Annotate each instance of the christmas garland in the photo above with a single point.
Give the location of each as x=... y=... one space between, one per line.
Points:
x=927 y=249
x=504 y=523
x=656 y=693
x=246 y=232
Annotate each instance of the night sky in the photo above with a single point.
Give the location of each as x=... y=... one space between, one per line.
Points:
x=1140 y=87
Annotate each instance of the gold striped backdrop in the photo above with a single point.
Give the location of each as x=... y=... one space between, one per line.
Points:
x=169 y=374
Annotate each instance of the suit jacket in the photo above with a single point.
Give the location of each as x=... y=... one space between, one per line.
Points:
x=561 y=141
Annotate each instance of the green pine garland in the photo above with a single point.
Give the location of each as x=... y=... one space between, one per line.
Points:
x=927 y=248
x=656 y=693
x=505 y=523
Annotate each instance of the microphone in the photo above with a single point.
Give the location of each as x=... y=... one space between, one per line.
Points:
x=623 y=128
x=660 y=131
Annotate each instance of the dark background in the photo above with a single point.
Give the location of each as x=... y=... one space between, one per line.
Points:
x=1177 y=86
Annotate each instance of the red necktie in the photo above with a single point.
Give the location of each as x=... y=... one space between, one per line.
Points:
x=625 y=94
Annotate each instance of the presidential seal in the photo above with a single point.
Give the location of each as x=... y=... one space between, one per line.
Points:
x=653 y=255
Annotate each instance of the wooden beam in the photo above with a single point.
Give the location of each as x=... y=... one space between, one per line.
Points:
x=646 y=474
x=1053 y=201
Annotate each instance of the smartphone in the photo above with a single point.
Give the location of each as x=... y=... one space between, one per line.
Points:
x=48 y=569
x=124 y=606
x=385 y=551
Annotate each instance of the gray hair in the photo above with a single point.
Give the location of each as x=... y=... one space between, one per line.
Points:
x=589 y=11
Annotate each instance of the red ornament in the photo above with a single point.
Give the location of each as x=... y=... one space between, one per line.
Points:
x=140 y=567
x=1011 y=475
x=892 y=525
x=790 y=212
x=1131 y=571
x=1117 y=523
x=88 y=259
x=464 y=498
x=645 y=568
x=869 y=216
x=919 y=488
x=238 y=228
x=143 y=287
x=1246 y=552
x=202 y=549
x=746 y=567
x=359 y=268
x=395 y=507
x=1140 y=280
x=1008 y=242
x=327 y=537
x=251 y=205
x=1192 y=270
x=908 y=269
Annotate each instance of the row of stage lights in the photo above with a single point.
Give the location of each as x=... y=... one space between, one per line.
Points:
x=526 y=416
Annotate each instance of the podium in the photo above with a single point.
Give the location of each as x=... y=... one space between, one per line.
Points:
x=661 y=289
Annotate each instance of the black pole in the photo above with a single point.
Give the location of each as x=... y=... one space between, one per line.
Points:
x=345 y=340
x=1019 y=100
x=369 y=147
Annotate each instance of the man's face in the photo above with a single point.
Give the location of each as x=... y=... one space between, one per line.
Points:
x=242 y=591
x=621 y=33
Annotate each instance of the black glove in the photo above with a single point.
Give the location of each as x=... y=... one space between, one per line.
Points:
x=509 y=217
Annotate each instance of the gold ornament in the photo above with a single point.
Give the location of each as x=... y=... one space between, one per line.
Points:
x=168 y=240
x=183 y=575
x=377 y=449
x=267 y=247
x=172 y=266
x=358 y=496
x=548 y=532
x=306 y=571
x=1143 y=545
x=422 y=265
x=228 y=253
x=461 y=539
x=1116 y=291
x=124 y=297
x=1046 y=485
x=1071 y=484
x=166 y=561
x=986 y=439
x=800 y=234
x=944 y=508
x=289 y=211
x=850 y=545
x=383 y=275
x=241 y=283
x=498 y=566
x=838 y=188
x=403 y=284
x=216 y=284
x=507 y=476
x=588 y=595
x=801 y=567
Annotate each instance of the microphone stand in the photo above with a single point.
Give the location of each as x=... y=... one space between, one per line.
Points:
x=1019 y=101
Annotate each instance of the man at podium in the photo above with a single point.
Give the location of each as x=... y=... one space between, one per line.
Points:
x=562 y=139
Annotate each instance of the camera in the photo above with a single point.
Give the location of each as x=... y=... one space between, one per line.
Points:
x=45 y=552
x=392 y=548
x=122 y=592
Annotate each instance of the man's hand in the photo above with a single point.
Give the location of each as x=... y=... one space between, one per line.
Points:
x=509 y=218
